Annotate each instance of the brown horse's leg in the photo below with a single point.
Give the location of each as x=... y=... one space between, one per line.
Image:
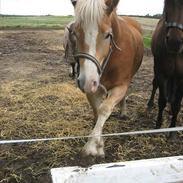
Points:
x=150 y=104
x=175 y=108
x=161 y=104
x=95 y=144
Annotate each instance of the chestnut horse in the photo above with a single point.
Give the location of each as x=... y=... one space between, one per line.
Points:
x=110 y=51
x=167 y=48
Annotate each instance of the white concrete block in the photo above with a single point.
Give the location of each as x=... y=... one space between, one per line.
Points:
x=161 y=170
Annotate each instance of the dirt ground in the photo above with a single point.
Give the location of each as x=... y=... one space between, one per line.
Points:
x=38 y=100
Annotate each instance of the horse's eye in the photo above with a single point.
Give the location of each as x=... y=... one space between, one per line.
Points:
x=107 y=35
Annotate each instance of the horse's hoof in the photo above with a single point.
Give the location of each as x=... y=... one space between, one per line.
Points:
x=150 y=105
x=124 y=117
x=169 y=109
x=148 y=111
x=173 y=136
x=88 y=151
x=101 y=153
x=94 y=147
x=157 y=126
x=91 y=154
x=71 y=76
x=149 y=108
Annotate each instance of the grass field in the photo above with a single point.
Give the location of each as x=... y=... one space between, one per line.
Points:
x=151 y=22
x=147 y=41
x=59 y=22
x=34 y=22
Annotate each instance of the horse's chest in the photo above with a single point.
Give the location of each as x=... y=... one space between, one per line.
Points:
x=179 y=67
x=171 y=66
x=166 y=66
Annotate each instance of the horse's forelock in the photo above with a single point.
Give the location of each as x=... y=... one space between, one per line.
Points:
x=89 y=11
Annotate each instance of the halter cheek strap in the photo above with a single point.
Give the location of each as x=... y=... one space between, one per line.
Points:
x=100 y=68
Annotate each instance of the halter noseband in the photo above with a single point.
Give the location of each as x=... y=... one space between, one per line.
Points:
x=174 y=25
x=91 y=58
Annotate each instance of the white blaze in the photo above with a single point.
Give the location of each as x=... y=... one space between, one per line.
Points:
x=89 y=68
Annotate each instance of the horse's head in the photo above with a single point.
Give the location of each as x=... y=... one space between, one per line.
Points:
x=70 y=42
x=173 y=12
x=93 y=31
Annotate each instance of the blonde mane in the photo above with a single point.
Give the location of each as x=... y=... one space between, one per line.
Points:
x=89 y=11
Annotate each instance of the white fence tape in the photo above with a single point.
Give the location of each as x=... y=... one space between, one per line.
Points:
x=163 y=130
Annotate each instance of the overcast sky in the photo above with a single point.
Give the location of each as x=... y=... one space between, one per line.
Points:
x=64 y=7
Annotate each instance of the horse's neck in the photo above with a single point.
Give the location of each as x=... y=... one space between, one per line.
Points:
x=115 y=25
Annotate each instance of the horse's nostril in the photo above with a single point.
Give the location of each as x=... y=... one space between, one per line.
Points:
x=94 y=83
x=94 y=86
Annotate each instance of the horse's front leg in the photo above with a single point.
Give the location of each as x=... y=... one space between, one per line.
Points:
x=123 y=107
x=95 y=144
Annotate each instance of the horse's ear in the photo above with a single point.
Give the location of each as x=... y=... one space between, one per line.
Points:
x=74 y=2
x=69 y=29
x=111 y=5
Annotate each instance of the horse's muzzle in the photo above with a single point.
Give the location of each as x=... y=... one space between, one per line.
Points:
x=87 y=86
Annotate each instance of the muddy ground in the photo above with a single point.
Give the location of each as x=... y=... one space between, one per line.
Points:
x=38 y=100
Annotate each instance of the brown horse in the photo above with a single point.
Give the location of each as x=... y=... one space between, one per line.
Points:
x=110 y=51
x=167 y=48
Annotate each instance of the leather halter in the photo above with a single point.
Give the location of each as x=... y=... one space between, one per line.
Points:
x=100 y=68
x=174 y=25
